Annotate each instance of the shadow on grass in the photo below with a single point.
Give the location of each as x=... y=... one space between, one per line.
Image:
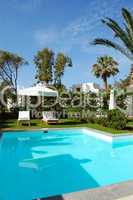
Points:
x=13 y=124
x=6 y=124
x=128 y=128
x=71 y=123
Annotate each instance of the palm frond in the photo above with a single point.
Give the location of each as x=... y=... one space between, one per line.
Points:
x=108 y=43
x=119 y=32
x=129 y=22
x=124 y=34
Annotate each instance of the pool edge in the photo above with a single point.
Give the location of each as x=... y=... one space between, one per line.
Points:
x=109 y=136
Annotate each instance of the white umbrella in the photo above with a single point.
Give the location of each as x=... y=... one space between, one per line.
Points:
x=38 y=90
x=112 y=102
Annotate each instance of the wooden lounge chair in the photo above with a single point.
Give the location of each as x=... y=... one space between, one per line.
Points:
x=24 y=116
x=49 y=117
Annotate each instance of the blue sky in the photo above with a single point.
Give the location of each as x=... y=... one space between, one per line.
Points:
x=65 y=26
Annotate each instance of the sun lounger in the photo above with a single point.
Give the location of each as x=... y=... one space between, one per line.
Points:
x=49 y=117
x=24 y=116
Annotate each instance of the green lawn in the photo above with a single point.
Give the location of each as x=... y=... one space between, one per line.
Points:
x=37 y=124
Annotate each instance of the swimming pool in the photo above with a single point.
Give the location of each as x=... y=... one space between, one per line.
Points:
x=36 y=164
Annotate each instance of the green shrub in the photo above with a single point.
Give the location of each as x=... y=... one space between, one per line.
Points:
x=102 y=121
x=92 y=118
x=116 y=119
x=88 y=116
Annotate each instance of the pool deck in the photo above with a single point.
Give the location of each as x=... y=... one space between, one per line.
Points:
x=122 y=191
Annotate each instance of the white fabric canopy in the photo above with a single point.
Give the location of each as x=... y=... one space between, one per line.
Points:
x=112 y=102
x=38 y=90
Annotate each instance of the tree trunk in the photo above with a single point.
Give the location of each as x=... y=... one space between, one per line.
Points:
x=105 y=84
x=16 y=86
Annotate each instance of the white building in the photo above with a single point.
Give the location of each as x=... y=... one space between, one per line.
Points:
x=86 y=87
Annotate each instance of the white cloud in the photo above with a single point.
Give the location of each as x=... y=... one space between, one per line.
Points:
x=45 y=37
x=79 y=32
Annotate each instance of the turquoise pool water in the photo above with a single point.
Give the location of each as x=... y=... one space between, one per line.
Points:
x=36 y=164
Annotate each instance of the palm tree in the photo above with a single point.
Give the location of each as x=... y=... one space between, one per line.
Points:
x=105 y=67
x=124 y=35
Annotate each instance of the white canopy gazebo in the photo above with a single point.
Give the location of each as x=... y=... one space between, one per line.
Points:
x=39 y=90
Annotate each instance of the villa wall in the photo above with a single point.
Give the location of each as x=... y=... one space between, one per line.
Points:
x=86 y=87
